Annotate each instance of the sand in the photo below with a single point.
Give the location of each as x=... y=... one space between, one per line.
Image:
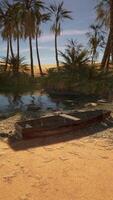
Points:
x=45 y=68
x=78 y=169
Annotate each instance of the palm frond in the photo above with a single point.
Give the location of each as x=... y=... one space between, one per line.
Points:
x=74 y=55
x=103 y=14
x=58 y=14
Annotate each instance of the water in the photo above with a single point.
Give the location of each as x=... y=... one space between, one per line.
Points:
x=16 y=102
x=40 y=102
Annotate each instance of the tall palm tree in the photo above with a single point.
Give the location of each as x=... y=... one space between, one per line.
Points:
x=96 y=40
x=41 y=18
x=6 y=26
x=38 y=33
x=4 y=34
x=111 y=26
x=18 y=30
x=5 y=37
x=103 y=14
x=105 y=17
x=29 y=10
x=58 y=15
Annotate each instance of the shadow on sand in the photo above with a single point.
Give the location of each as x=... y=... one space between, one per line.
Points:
x=44 y=141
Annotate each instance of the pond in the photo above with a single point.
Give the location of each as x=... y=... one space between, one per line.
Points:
x=18 y=102
x=30 y=101
x=41 y=102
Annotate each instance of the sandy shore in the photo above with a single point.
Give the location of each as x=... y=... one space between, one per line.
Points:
x=61 y=168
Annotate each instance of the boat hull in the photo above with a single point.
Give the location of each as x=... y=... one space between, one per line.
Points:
x=61 y=126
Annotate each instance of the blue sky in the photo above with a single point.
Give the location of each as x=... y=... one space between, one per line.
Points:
x=83 y=15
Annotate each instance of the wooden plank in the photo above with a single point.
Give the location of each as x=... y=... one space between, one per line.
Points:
x=69 y=117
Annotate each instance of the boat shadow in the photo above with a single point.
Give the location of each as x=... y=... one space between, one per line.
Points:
x=94 y=130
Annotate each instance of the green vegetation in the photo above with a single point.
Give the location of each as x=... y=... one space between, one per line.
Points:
x=17 y=84
x=21 y=20
x=76 y=75
x=86 y=79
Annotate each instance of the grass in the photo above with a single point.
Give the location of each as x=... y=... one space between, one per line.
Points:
x=86 y=79
x=17 y=84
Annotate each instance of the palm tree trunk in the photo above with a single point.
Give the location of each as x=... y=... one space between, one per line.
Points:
x=106 y=53
x=18 y=52
x=111 y=27
x=7 y=57
x=38 y=57
x=56 y=52
x=11 y=48
x=109 y=46
x=31 y=56
x=92 y=60
x=107 y=63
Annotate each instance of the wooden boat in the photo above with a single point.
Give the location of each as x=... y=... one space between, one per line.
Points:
x=59 y=123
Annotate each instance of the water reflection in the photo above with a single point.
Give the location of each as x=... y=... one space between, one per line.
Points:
x=18 y=102
x=39 y=101
x=15 y=100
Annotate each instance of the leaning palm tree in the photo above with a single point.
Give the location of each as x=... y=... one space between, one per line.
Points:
x=105 y=17
x=111 y=26
x=58 y=14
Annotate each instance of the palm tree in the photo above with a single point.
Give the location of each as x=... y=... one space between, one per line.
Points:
x=18 y=30
x=41 y=18
x=103 y=14
x=16 y=64
x=29 y=10
x=7 y=26
x=4 y=34
x=74 y=55
x=111 y=27
x=38 y=33
x=58 y=14
x=6 y=38
x=96 y=39
x=105 y=17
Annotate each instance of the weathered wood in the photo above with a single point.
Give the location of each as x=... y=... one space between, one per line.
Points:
x=60 y=124
x=69 y=117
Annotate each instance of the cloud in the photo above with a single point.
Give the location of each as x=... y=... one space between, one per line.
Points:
x=71 y=32
x=49 y=48
x=47 y=38
x=74 y=32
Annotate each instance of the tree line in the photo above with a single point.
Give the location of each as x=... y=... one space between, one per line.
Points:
x=22 y=19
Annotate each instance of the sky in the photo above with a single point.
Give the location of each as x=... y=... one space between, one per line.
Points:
x=83 y=15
